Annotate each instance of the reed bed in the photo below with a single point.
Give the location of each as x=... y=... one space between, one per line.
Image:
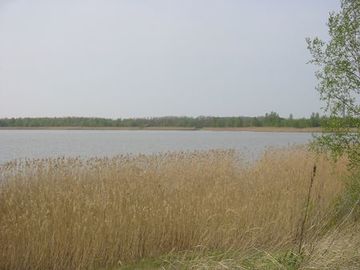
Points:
x=71 y=213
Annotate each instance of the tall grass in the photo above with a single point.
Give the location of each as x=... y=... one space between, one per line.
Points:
x=69 y=213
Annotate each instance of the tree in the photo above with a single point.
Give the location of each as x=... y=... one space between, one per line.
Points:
x=338 y=74
x=255 y=122
x=272 y=119
x=315 y=120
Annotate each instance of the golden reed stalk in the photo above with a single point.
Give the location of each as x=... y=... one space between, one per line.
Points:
x=69 y=213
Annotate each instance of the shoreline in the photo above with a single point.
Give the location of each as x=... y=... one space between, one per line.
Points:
x=237 y=129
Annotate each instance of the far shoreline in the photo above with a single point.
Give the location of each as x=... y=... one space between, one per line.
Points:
x=237 y=129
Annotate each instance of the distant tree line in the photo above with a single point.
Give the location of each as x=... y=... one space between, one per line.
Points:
x=269 y=120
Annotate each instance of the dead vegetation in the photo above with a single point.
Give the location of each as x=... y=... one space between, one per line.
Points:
x=69 y=213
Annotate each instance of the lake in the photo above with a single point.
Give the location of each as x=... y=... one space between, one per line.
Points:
x=18 y=144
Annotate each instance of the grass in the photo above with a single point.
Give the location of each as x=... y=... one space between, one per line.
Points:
x=188 y=210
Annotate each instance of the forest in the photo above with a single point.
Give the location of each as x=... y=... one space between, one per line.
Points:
x=271 y=119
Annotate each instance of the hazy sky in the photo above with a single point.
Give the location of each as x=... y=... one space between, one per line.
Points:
x=140 y=58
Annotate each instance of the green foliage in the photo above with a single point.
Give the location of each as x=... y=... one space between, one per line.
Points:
x=220 y=260
x=290 y=260
x=338 y=74
x=271 y=119
x=348 y=205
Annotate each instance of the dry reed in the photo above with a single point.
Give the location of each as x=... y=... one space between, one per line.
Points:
x=69 y=213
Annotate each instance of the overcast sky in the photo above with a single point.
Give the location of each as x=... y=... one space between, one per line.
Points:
x=141 y=58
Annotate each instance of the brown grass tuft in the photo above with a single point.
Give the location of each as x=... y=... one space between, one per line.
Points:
x=69 y=213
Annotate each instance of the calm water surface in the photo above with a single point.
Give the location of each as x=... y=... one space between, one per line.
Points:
x=18 y=144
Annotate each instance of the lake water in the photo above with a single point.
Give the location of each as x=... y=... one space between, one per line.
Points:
x=18 y=144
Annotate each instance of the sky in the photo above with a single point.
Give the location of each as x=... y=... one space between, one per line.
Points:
x=142 y=58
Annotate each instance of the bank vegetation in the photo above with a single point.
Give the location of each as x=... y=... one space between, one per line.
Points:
x=105 y=213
